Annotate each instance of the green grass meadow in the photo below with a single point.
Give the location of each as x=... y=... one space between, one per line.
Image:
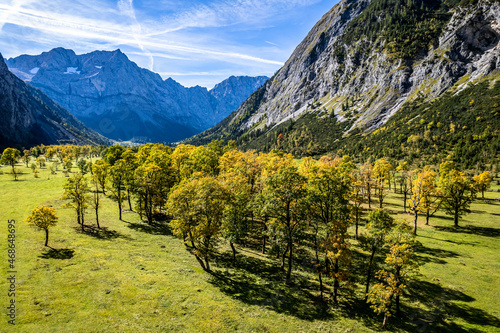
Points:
x=135 y=277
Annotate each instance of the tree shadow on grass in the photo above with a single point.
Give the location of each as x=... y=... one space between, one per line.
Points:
x=470 y=229
x=58 y=254
x=448 y=240
x=155 y=228
x=443 y=304
x=434 y=255
x=260 y=282
x=100 y=233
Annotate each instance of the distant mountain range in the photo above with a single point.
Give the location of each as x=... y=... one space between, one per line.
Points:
x=30 y=118
x=115 y=97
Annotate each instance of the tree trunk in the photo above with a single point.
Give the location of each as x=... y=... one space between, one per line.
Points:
x=369 y=273
x=384 y=323
x=289 y=273
x=357 y=222
x=201 y=262
x=128 y=198
x=265 y=236
x=318 y=264
x=336 y=281
x=207 y=264
x=78 y=215
x=482 y=193
x=427 y=215
x=320 y=282
x=415 y=222
x=456 y=217
x=97 y=216
x=234 y=251
x=327 y=264
x=283 y=258
x=46 y=237
x=404 y=200
x=120 y=204
x=398 y=311
x=368 y=192
x=191 y=238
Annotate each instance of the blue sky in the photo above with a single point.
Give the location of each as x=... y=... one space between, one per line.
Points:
x=194 y=42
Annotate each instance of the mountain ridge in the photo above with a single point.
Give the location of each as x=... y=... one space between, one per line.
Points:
x=123 y=101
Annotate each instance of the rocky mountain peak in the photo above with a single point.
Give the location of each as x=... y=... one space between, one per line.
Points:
x=120 y=100
x=3 y=65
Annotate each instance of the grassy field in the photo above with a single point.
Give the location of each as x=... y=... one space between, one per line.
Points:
x=133 y=277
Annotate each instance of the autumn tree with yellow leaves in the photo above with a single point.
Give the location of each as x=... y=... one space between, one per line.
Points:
x=43 y=218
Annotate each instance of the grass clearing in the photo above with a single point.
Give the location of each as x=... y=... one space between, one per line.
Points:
x=135 y=277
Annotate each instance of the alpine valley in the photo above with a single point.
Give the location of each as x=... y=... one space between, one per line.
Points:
x=115 y=97
x=383 y=78
x=31 y=118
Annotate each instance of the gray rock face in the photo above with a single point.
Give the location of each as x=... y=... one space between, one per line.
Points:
x=30 y=118
x=231 y=92
x=122 y=101
x=374 y=86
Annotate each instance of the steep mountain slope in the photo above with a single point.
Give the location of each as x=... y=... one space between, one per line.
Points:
x=231 y=92
x=117 y=98
x=360 y=64
x=30 y=118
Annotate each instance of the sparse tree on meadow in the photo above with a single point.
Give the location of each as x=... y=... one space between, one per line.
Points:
x=458 y=192
x=381 y=173
x=96 y=200
x=76 y=191
x=116 y=178
x=482 y=182
x=329 y=210
x=26 y=157
x=401 y=263
x=284 y=192
x=235 y=225
x=43 y=218
x=403 y=169
x=421 y=188
x=50 y=152
x=198 y=209
x=41 y=161
x=379 y=225
x=101 y=169
x=9 y=157
x=367 y=179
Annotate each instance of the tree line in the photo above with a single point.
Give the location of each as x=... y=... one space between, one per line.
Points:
x=217 y=193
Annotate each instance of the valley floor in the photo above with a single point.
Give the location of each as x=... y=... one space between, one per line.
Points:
x=135 y=277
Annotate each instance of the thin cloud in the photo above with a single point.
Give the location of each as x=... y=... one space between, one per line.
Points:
x=268 y=42
x=227 y=13
x=73 y=28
